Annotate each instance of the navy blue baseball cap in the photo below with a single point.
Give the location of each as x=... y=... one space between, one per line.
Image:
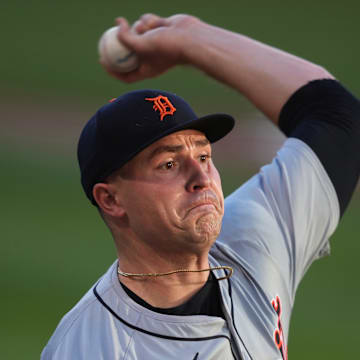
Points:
x=128 y=124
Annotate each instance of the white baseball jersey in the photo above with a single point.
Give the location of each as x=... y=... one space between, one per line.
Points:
x=274 y=227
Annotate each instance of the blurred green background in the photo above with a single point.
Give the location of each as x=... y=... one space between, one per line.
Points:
x=53 y=244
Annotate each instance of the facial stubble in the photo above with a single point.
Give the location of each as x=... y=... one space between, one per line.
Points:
x=208 y=226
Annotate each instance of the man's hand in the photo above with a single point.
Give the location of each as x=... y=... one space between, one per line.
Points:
x=158 y=42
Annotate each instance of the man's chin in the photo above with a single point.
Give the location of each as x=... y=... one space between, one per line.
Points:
x=207 y=227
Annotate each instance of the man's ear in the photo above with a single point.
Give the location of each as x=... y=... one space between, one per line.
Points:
x=108 y=199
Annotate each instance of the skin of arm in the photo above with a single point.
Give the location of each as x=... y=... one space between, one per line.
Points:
x=265 y=75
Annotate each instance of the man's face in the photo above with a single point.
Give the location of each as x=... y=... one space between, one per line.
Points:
x=171 y=193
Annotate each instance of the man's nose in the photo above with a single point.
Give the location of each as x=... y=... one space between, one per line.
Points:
x=199 y=178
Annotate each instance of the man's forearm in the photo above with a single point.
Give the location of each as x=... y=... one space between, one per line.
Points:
x=265 y=75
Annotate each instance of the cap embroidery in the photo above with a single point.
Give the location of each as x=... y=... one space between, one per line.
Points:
x=163 y=105
x=112 y=100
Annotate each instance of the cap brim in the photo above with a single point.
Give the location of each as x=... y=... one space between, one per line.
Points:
x=214 y=126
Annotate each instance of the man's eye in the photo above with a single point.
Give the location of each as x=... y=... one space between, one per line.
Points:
x=204 y=157
x=169 y=165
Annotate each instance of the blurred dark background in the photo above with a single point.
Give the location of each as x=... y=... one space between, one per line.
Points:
x=53 y=243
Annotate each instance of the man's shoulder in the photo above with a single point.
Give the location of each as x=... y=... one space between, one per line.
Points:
x=78 y=319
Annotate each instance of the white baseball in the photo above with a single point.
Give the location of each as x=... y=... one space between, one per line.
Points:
x=115 y=54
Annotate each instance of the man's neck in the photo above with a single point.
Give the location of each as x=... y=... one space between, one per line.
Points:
x=169 y=290
x=161 y=293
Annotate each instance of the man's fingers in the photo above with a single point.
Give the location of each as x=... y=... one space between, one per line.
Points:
x=148 y=22
x=152 y=21
x=138 y=27
x=120 y=21
x=131 y=37
x=127 y=35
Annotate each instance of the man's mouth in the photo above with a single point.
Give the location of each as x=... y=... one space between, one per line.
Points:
x=207 y=206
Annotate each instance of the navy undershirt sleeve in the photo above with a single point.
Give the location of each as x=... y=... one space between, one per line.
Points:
x=326 y=116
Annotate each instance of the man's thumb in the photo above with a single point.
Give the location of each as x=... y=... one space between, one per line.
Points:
x=125 y=35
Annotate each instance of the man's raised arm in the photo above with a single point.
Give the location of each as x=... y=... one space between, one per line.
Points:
x=265 y=75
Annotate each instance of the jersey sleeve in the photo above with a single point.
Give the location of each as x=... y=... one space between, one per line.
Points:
x=326 y=116
x=289 y=210
x=285 y=214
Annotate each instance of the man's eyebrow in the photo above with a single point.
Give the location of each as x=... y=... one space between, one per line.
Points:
x=166 y=149
x=176 y=148
x=202 y=142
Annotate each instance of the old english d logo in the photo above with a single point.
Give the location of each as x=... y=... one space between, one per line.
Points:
x=163 y=105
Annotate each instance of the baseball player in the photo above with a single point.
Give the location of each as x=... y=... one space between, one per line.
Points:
x=197 y=277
